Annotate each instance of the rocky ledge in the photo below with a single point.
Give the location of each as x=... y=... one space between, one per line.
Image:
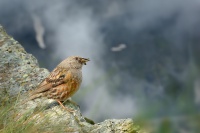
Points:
x=19 y=72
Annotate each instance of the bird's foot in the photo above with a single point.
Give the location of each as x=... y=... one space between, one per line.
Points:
x=72 y=102
x=66 y=108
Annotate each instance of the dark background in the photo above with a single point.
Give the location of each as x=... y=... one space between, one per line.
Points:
x=144 y=54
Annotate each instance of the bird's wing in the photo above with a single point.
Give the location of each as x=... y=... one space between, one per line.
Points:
x=56 y=77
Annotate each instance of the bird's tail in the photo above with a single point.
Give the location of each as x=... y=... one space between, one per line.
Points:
x=32 y=97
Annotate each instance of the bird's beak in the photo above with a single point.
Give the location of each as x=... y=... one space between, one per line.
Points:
x=84 y=60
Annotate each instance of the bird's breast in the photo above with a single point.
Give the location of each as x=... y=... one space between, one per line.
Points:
x=68 y=88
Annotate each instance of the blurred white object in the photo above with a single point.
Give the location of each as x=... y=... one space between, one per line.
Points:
x=118 y=48
x=39 y=30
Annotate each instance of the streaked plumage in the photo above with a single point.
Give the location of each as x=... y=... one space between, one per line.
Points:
x=63 y=81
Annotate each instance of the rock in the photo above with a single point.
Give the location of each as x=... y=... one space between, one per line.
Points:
x=19 y=72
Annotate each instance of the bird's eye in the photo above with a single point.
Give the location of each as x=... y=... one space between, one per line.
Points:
x=76 y=58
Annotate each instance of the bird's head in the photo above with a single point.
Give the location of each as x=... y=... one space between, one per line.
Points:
x=74 y=61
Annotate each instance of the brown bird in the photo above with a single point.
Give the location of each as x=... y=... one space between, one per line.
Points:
x=62 y=82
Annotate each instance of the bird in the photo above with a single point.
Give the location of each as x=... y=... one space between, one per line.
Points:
x=63 y=82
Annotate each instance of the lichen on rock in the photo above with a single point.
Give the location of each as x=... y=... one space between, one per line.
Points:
x=19 y=70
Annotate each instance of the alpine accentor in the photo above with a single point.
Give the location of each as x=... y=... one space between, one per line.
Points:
x=63 y=81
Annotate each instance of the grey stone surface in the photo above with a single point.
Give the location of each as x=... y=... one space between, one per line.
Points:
x=19 y=72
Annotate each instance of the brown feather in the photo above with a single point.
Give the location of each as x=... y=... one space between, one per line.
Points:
x=55 y=78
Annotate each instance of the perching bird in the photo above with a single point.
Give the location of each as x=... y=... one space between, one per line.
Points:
x=63 y=81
